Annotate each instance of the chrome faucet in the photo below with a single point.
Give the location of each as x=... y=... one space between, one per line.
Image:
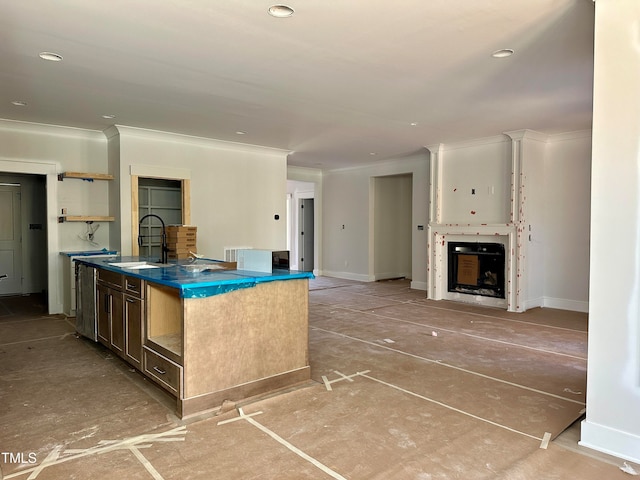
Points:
x=164 y=248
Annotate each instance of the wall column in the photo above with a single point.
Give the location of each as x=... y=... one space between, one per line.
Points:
x=612 y=424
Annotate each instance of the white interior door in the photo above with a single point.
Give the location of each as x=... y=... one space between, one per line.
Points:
x=306 y=234
x=10 y=240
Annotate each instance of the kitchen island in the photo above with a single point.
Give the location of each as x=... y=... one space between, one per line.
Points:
x=203 y=333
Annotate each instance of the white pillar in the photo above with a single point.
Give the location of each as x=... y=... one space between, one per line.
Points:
x=612 y=424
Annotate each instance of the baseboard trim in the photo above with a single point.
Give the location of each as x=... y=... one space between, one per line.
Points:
x=348 y=276
x=534 y=303
x=564 y=304
x=390 y=276
x=610 y=441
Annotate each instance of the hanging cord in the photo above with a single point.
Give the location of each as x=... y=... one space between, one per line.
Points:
x=90 y=233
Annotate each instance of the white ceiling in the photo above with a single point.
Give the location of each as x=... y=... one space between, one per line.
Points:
x=335 y=82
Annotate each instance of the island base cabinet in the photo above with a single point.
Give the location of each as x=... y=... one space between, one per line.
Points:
x=110 y=318
x=103 y=309
x=207 y=341
x=120 y=311
x=244 y=343
x=117 y=323
x=133 y=324
x=163 y=371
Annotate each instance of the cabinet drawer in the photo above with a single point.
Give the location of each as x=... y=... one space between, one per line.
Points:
x=163 y=370
x=112 y=278
x=134 y=286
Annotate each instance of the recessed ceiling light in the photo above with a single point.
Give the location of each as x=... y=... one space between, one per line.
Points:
x=280 y=11
x=373 y=153
x=414 y=124
x=240 y=132
x=108 y=117
x=52 y=57
x=502 y=53
x=19 y=103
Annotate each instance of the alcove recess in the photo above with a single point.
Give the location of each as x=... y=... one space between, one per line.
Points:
x=88 y=177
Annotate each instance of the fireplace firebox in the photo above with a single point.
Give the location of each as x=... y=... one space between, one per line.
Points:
x=477 y=268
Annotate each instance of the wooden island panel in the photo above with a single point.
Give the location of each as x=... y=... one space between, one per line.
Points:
x=243 y=343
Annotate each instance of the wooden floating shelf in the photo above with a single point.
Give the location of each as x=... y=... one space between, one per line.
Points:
x=85 y=176
x=84 y=218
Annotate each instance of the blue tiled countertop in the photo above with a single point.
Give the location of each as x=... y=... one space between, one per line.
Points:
x=180 y=275
x=87 y=253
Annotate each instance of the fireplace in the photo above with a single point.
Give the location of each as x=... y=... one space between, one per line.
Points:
x=476 y=268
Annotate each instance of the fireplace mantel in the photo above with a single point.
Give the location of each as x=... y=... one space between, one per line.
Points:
x=441 y=234
x=511 y=165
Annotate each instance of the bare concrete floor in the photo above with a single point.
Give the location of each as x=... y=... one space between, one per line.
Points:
x=403 y=388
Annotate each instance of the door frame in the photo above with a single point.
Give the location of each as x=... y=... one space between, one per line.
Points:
x=374 y=247
x=15 y=190
x=50 y=171
x=299 y=233
x=185 y=190
x=307 y=190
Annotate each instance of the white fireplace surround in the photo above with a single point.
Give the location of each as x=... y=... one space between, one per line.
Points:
x=518 y=156
x=441 y=235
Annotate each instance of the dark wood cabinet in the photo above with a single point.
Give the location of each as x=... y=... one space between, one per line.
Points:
x=117 y=322
x=103 y=307
x=133 y=325
x=120 y=305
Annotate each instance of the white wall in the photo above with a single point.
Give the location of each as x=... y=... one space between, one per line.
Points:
x=567 y=209
x=346 y=193
x=554 y=208
x=236 y=189
x=483 y=166
x=47 y=150
x=613 y=378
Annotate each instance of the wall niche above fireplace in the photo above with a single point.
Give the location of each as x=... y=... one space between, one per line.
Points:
x=476 y=268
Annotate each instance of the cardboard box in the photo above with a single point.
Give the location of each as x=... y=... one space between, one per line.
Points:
x=181 y=236
x=180 y=232
x=468 y=269
x=181 y=229
x=189 y=244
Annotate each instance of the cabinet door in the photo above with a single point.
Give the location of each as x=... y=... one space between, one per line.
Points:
x=133 y=314
x=117 y=322
x=103 y=302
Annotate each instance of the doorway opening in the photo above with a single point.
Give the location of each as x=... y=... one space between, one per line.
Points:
x=23 y=234
x=306 y=234
x=169 y=198
x=392 y=236
x=301 y=221
x=162 y=197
